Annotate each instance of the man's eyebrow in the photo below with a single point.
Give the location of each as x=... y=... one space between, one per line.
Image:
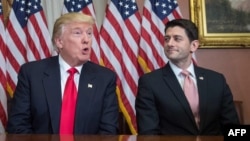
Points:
x=176 y=35
x=75 y=28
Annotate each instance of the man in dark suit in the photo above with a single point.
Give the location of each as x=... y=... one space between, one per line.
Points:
x=38 y=98
x=161 y=105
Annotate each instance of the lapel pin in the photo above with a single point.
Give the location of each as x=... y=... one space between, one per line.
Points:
x=201 y=78
x=90 y=86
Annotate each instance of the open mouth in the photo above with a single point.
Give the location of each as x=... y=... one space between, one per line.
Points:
x=85 y=50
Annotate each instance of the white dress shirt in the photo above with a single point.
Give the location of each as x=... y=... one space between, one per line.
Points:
x=64 y=67
x=177 y=71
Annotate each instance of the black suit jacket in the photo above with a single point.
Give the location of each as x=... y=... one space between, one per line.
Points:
x=162 y=108
x=36 y=105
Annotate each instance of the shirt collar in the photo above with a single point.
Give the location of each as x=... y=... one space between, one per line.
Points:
x=64 y=66
x=178 y=70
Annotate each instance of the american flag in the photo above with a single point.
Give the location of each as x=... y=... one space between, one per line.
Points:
x=27 y=37
x=3 y=81
x=156 y=13
x=86 y=7
x=120 y=34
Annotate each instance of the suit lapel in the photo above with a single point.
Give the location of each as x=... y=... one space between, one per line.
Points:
x=202 y=89
x=52 y=86
x=87 y=87
x=176 y=89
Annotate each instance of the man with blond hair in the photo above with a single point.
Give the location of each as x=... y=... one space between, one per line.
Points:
x=47 y=102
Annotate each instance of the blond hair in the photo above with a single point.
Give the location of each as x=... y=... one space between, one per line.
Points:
x=67 y=19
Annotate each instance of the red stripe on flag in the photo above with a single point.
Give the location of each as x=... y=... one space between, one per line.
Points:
x=155 y=17
x=120 y=35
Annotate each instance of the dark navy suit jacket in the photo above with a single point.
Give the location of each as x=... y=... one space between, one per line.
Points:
x=162 y=108
x=36 y=105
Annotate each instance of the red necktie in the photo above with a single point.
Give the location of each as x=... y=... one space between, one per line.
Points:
x=192 y=95
x=68 y=105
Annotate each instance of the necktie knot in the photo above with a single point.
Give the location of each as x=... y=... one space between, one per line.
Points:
x=185 y=73
x=72 y=71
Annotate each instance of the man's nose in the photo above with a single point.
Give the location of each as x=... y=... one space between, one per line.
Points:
x=86 y=38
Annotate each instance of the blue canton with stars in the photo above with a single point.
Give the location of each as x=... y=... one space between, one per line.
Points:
x=126 y=7
x=163 y=8
x=1 y=8
x=76 y=5
x=25 y=8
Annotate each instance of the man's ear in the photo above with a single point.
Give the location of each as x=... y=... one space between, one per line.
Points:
x=194 y=45
x=58 y=43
